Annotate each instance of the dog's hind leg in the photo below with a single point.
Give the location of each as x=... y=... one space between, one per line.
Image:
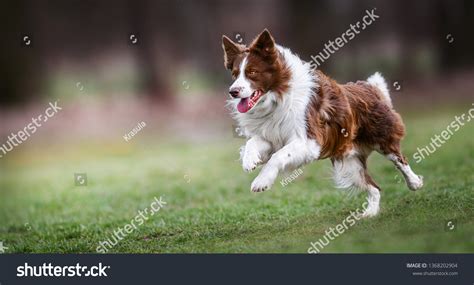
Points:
x=393 y=153
x=351 y=172
x=414 y=182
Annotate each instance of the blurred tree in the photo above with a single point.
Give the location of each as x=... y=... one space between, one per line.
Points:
x=19 y=54
x=149 y=22
x=454 y=23
x=176 y=35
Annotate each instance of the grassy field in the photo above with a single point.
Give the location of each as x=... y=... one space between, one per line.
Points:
x=209 y=205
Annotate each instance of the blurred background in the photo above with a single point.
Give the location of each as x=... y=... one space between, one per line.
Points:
x=111 y=65
x=114 y=63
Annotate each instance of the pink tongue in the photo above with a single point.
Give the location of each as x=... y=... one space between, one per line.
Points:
x=243 y=105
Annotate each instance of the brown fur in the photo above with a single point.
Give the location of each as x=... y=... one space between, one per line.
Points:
x=353 y=116
x=341 y=117
x=265 y=68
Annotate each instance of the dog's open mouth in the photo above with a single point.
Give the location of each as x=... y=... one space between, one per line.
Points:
x=246 y=104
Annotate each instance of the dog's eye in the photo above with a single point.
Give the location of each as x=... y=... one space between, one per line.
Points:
x=251 y=72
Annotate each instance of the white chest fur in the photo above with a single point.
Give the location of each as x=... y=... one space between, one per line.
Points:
x=279 y=120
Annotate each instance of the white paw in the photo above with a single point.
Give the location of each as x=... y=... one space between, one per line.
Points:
x=415 y=183
x=250 y=161
x=262 y=183
x=373 y=205
x=371 y=211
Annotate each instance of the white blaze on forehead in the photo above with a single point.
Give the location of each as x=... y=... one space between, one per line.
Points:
x=242 y=82
x=243 y=64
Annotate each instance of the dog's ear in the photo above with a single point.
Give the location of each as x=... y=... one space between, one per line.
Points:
x=264 y=44
x=231 y=51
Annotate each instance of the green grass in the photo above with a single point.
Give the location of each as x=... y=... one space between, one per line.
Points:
x=210 y=207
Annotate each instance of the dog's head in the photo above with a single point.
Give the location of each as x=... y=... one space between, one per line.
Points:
x=258 y=70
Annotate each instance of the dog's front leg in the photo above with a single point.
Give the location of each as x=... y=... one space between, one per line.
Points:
x=293 y=155
x=255 y=151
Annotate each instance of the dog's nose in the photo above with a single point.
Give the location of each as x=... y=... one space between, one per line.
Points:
x=234 y=92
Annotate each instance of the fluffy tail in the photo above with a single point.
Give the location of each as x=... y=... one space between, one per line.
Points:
x=378 y=81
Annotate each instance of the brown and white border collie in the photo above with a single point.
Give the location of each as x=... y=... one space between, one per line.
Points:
x=293 y=115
